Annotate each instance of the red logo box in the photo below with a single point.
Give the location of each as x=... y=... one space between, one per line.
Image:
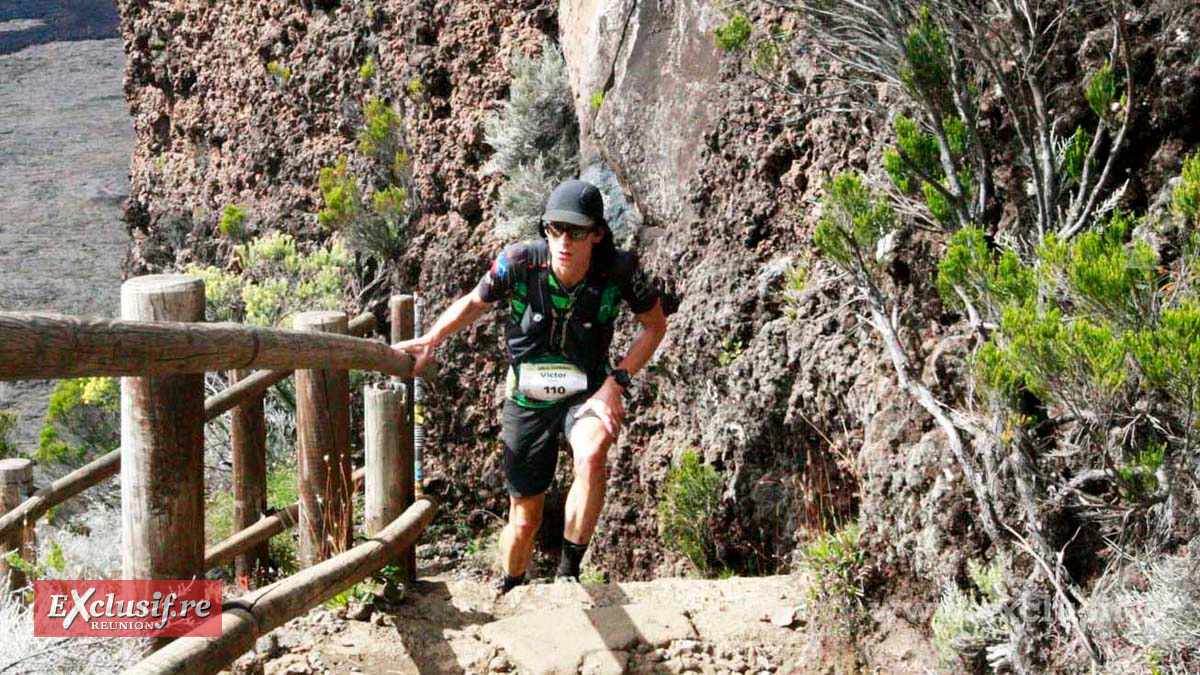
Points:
x=121 y=608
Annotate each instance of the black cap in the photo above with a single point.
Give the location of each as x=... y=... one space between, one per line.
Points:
x=577 y=202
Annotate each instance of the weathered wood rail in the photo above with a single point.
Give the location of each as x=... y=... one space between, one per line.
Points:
x=102 y=468
x=161 y=348
x=49 y=346
x=246 y=619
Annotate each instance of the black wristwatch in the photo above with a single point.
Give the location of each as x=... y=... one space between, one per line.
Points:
x=621 y=377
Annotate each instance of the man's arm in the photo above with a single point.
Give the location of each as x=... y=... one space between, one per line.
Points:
x=654 y=327
x=462 y=313
x=606 y=403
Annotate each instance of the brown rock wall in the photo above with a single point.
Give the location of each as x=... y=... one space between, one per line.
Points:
x=796 y=413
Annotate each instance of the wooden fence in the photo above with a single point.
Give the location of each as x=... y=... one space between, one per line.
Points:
x=162 y=349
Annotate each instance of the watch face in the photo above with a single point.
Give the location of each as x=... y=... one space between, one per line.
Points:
x=622 y=378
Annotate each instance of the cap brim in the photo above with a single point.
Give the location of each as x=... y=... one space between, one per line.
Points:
x=561 y=216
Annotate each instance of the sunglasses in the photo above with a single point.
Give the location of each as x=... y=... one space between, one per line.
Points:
x=574 y=232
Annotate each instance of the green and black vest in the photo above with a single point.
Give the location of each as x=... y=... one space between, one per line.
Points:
x=547 y=322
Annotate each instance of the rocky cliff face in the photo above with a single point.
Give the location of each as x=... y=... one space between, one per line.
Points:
x=777 y=404
x=796 y=412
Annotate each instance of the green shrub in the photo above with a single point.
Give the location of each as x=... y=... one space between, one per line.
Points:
x=920 y=148
x=988 y=280
x=940 y=206
x=795 y=281
x=988 y=579
x=55 y=559
x=1137 y=477
x=233 y=222
x=731 y=348
x=900 y=173
x=734 y=34
x=82 y=421
x=283 y=490
x=1077 y=362
x=283 y=487
x=1168 y=358
x=927 y=68
x=340 y=192
x=768 y=54
x=383 y=233
x=853 y=222
x=1102 y=275
x=361 y=592
x=966 y=623
x=1101 y=91
x=31 y=570
x=1103 y=318
x=535 y=136
x=276 y=281
x=8 y=422
x=1185 y=200
x=597 y=100
x=1075 y=153
x=280 y=72
x=688 y=502
x=377 y=137
x=838 y=566
x=415 y=88
x=367 y=70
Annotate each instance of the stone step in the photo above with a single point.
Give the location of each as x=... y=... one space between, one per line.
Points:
x=595 y=641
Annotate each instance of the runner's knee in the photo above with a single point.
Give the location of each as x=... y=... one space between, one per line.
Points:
x=525 y=522
x=591 y=459
x=589 y=437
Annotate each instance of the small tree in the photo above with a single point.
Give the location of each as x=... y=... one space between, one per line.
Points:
x=535 y=136
x=689 y=500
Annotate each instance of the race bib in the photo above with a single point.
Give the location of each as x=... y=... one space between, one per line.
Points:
x=550 y=381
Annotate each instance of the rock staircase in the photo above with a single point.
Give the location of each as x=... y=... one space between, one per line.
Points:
x=451 y=624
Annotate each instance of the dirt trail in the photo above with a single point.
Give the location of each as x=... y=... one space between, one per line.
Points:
x=451 y=623
x=65 y=143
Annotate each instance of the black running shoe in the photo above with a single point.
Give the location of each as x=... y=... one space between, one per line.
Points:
x=503 y=583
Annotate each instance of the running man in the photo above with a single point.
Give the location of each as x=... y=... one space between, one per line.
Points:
x=562 y=293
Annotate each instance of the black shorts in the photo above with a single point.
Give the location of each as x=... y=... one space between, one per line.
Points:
x=530 y=438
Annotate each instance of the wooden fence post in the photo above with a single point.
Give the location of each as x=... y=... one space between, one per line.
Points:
x=16 y=484
x=389 y=467
x=162 y=445
x=323 y=444
x=402 y=317
x=248 y=438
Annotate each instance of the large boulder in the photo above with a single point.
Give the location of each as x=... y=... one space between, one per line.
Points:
x=655 y=65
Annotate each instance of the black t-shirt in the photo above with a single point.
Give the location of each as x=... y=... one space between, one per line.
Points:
x=626 y=274
x=548 y=322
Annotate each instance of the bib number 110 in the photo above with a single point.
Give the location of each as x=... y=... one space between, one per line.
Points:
x=555 y=390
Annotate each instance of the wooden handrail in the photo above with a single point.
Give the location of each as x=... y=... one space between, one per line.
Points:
x=262 y=530
x=244 y=620
x=108 y=465
x=46 y=346
x=259 y=382
x=59 y=491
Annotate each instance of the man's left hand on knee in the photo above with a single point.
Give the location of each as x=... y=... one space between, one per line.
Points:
x=607 y=406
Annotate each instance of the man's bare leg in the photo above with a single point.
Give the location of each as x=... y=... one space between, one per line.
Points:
x=589 y=445
x=516 y=540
